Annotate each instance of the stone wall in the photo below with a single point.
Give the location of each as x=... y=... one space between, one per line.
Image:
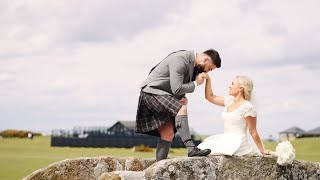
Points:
x=211 y=167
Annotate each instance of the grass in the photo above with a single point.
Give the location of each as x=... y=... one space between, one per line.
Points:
x=20 y=157
x=306 y=148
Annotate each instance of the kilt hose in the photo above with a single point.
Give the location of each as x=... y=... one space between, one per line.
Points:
x=154 y=110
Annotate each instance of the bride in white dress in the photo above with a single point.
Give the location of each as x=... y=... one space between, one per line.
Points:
x=239 y=117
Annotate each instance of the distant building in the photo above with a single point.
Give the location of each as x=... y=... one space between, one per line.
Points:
x=313 y=133
x=292 y=133
x=123 y=128
x=121 y=134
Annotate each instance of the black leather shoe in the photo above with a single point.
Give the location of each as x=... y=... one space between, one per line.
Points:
x=198 y=152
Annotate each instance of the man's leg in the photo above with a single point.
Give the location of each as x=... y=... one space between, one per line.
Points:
x=182 y=125
x=166 y=132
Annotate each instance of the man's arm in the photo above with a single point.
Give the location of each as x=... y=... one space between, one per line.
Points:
x=177 y=69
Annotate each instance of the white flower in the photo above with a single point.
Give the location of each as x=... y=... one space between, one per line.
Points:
x=285 y=152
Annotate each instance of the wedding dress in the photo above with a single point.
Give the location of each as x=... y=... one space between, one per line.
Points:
x=235 y=140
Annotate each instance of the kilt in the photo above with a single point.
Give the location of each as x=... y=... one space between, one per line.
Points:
x=154 y=110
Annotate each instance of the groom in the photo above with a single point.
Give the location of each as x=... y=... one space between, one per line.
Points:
x=162 y=109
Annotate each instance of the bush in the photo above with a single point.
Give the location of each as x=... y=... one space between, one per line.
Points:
x=15 y=133
x=142 y=148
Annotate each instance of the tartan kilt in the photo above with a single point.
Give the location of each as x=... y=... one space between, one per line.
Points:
x=154 y=110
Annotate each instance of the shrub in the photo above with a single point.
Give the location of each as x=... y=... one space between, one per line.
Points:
x=142 y=148
x=16 y=133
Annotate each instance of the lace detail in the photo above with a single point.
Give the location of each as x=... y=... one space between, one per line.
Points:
x=248 y=110
x=228 y=100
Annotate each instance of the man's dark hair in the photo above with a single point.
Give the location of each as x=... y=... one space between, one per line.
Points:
x=214 y=55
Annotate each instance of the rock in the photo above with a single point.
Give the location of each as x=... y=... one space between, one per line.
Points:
x=211 y=167
x=109 y=176
x=89 y=168
x=128 y=175
x=224 y=167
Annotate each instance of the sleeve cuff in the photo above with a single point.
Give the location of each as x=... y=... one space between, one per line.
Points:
x=195 y=84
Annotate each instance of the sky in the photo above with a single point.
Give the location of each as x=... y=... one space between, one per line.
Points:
x=80 y=63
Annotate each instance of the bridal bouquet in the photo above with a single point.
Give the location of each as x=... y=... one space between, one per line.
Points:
x=285 y=153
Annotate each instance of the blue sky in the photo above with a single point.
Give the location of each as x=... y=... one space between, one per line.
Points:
x=80 y=63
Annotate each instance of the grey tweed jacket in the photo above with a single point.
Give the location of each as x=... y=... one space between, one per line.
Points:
x=172 y=76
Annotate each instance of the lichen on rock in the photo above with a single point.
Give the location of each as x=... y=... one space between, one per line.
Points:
x=211 y=167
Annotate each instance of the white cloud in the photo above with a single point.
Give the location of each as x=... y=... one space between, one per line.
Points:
x=77 y=63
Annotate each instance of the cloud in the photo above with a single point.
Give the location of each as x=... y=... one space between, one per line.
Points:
x=37 y=26
x=65 y=64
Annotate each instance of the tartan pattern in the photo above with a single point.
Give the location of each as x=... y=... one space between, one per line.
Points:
x=154 y=110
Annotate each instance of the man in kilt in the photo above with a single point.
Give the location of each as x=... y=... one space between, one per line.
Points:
x=162 y=109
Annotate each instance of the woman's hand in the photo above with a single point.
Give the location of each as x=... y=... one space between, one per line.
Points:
x=205 y=76
x=266 y=152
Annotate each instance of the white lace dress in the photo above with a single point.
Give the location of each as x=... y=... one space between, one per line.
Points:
x=235 y=140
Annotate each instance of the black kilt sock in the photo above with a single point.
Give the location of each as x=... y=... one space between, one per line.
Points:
x=162 y=149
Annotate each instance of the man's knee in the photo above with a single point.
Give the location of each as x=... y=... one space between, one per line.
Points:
x=166 y=131
x=183 y=110
x=168 y=135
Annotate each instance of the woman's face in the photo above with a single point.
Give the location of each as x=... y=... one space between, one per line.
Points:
x=234 y=88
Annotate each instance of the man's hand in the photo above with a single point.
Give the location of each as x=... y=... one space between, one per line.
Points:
x=205 y=76
x=200 y=78
x=184 y=101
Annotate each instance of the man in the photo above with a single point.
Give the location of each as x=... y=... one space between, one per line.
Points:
x=162 y=103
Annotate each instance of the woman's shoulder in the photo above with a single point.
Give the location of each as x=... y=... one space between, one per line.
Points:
x=248 y=109
x=248 y=104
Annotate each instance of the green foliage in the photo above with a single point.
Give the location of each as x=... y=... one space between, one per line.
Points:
x=15 y=133
x=306 y=148
x=20 y=157
x=142 y=148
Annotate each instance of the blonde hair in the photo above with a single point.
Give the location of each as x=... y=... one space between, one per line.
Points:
x=247 y=85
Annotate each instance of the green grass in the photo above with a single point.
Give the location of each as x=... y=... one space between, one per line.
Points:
x=306 y=148
x=20 y=157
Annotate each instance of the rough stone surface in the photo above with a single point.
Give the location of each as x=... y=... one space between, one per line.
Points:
x=128 y=175
x=109 y=176
x=89 y=168
x=211 y=167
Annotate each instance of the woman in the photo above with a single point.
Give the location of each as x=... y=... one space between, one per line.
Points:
x=239 y=117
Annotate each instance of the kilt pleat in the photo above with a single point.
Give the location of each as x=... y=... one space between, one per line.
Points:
x=154 y=110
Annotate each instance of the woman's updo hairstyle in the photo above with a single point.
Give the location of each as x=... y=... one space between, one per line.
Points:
x=247 y=85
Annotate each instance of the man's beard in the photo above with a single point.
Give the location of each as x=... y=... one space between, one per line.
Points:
x=200 y=68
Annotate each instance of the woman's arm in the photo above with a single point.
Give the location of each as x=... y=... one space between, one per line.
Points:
x=217 y=100
x=252 y=122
